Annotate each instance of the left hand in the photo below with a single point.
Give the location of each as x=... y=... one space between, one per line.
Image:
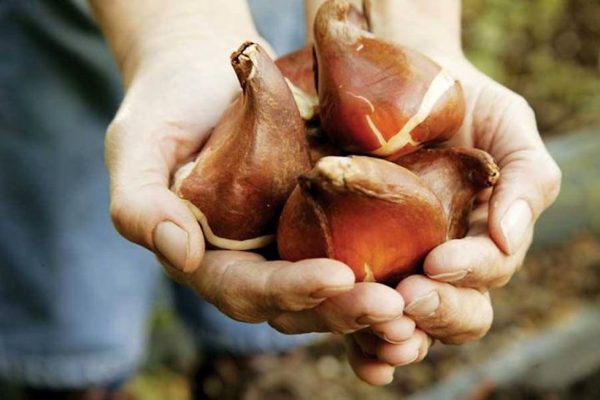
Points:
x=451 y=303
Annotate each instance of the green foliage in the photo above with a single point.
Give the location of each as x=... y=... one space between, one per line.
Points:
x=546 y=50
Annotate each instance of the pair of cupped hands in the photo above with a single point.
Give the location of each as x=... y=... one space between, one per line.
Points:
x=175 y=95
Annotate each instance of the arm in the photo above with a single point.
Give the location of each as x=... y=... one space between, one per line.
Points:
x=139 y=29
x=451 y=301
x=164 y=51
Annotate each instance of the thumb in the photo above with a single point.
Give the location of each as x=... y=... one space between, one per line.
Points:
x=143 y=209
x=529 y=178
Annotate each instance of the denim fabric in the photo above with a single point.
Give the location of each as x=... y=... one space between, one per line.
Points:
x=281 y=22
x=74 y=295
x=215 y=334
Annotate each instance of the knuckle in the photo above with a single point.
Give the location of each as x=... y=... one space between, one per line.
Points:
x=236 y=310
x=281 y=327
x=120 y=215
x=113 y=130
x=552 y=181
x=285 y=324
x=274 y=298
x=279 y=295
x=114 y=134
x=521 y=104
x=283 y=301
x=505 y=273
x=342 y=327
x=224 y=301
x=126 y=216
x=452 y=325
x=483 y=327
x=344 y=330
x=500 y=281
x=481 y=322
x=449 y=316
x=443 y=324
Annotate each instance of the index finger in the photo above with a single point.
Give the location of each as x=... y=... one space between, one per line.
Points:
x=529 y=178
x=475 y=261
x=247 y=288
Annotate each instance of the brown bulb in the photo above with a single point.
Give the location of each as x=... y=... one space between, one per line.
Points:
x=455 y=175
x=298 y=68
x=375 y=216
x=376 y=97
x=242 y=177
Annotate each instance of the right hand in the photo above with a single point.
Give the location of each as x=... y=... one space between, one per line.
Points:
x=173 y=99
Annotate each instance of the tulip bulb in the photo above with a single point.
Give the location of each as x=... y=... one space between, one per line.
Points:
x=382 y=218
x=375 y=216
x=456 y=175
x=241 y=178
x=376 y=97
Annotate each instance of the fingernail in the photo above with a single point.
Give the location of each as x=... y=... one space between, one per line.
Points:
x=424 y=305
x=450 y=276
x=413 y=359
x=370 y=319
x=387 y=339
x=172 y=243
x=331 y=291
x=514 y=224
x=391 y=378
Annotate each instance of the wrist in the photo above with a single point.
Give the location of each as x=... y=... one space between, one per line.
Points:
x=432 y=27
x=139 y=31
x=207 y=53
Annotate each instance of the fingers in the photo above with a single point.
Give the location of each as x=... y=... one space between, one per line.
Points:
x=247 y=288
x=452 y=314
x=395 y=331
x=529 y=178
x=366 y=304
x=371 y=357
x=143 y=209
x=412 y=350
x=475 y=261
x=370 y=370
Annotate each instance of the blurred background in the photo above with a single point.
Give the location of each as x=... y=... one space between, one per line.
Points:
x=545 y=341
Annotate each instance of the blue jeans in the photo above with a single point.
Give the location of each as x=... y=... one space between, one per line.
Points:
x=74 y=296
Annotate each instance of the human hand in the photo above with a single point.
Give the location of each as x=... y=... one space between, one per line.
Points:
x=167 y=113
x=316 y=295
x=451 y=302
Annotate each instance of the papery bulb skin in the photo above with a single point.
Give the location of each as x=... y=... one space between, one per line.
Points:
x=297 y=66
x=242 y=177
x=377 y=217
x=456 y=175
x=376 y=97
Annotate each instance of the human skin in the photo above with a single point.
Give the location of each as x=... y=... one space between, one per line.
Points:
x=174 y=58
x=451 y=303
